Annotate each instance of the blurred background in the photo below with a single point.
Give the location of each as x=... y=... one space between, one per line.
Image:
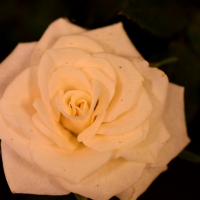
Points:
x=166 y=33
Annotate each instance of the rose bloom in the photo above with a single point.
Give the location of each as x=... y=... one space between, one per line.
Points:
x=82 y=111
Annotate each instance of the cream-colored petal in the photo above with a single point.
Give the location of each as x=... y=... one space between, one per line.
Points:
x=129 y=83
x=68 y=78
x=120 y=141
x=66 y=103
x=21 y=94
x=15 y=139
x=23 y=177
x=114 y=40
x=77 y=124
x=16 y=104
x=113 y=178
x=91 y=130
x=50 y=62
x=71 y=166
x=95 y=94
x=126 y=194
x=95 y=74
x=174 y=119
x=55 y=30
x=69 y=141
x=98 y=63
x=78 y=41
x=148 y=176
x=63 y=142
x=131 y=119
x=156 y=83
x=14 y=64
x=148 y=150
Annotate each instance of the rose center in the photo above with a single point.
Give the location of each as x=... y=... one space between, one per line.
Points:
x=79 y=107
x=73 y=103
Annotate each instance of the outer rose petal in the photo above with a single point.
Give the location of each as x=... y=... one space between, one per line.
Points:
x=126 y=194
x=114 y=40
x=78 y=41
x=137 y=189
x=56 y=29
x=24 y=177
x=110 y=38
x=14 y=64
x=16 y=139
x=174 y=119
x=114 y=177
x=147 y=152
x=17 y=109
x=156 y=83
x=71 y=166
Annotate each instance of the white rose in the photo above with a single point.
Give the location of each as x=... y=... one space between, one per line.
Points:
x=81 y=111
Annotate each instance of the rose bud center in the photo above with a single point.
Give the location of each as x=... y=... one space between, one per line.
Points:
x=74 y=105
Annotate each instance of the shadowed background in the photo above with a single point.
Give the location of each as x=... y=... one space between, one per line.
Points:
x=161 y=30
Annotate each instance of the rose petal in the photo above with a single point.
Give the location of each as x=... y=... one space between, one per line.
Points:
x=156 y=83
x=174 y=119
x=72 y=122
x=67 y=102
x=114 y=40
x=127 y=88
x=16 y=139
x=130 y=139
x=72 y=166
x=111 y=179
x=78 y=123
x=78 y=41
x=95 y=74
x=126 y=194
x=98 y=63
x=24 y=177
x=67 y=141
x=131 y=119
x=16 y=109
x=68 y=78
x=51 y=61
x=56 y=29
x=148 y=150
x=14 y=64
x=145 y=181
x=91 y=130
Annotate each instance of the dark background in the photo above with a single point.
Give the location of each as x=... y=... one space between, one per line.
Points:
x=160 y=29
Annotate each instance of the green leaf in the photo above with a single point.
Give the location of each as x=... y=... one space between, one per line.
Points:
x=194 y=32
x=161 y=17
x=79 y=197
x=189 y=156
x=164 y=62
